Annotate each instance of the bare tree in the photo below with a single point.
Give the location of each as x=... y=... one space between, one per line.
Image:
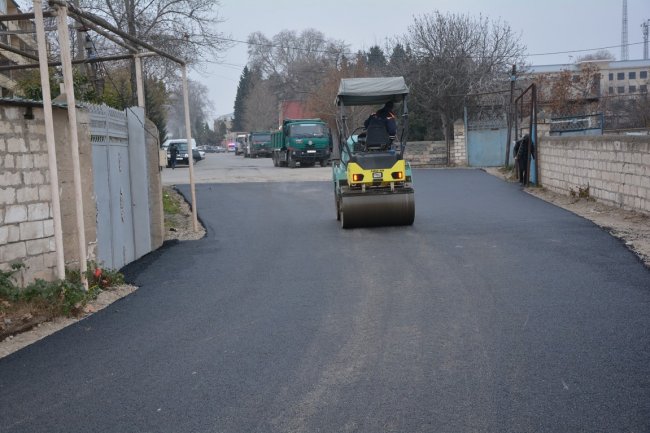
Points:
x=261 y=107
x=321 y=101
x=200 y=108
x=294 y=62
x=187 y=29
x=598 y=55
x=454 y=55
x=570 y=92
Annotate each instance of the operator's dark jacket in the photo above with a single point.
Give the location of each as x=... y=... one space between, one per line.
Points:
x=387 y=117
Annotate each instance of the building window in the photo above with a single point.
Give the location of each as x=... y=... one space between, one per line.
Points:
x=643 y=74
x=632 y=75
x=611 y=90
x=611 y=76
x=643 y=88
x=632 y=89
x=621 y=89
x=620 y=76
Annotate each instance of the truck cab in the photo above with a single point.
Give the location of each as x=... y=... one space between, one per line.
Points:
x=259 y=144
x=301 y=141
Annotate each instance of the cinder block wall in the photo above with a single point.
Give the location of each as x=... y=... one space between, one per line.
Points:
x=615 y=168
x=26 y=224
x=458 y=150
x=26 y=220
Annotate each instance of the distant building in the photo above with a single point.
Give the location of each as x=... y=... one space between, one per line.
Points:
x=19 y=35
x=616 y=77
x=226 y=118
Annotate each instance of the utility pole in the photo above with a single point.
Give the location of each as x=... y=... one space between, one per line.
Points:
x=645 y=26
x=625 y=52
x=513 y=78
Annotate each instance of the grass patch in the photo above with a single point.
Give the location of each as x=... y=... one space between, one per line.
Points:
x=170 y=203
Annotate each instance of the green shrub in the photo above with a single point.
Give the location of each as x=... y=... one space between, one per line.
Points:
x=61 y=297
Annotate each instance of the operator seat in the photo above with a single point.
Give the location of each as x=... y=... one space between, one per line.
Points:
x=376 y=135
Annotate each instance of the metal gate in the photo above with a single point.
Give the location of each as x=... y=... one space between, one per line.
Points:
x=486 y=126
x=110 y=139
x=120 y=185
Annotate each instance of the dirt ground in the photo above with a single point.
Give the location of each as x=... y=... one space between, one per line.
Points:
x=631 y=227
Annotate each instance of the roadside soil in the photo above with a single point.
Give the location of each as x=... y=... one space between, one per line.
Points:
x=632 y=228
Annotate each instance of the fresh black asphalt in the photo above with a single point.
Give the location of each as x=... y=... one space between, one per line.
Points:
x=494 y=312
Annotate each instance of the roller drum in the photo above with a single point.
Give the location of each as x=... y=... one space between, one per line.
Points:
x=377 y=209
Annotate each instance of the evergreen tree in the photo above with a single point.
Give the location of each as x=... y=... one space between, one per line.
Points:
x=376 y=60
x=242 y=91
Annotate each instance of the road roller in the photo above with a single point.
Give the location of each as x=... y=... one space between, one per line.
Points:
x=372 y=181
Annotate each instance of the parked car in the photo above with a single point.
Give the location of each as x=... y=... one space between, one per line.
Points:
x=182 y=156
x=219 y=149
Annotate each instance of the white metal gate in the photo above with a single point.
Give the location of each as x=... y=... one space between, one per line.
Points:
x=120 y=184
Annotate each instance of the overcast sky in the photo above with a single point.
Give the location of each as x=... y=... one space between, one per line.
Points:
x=546 y=26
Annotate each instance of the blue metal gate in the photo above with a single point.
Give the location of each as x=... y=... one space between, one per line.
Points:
x=486 y=130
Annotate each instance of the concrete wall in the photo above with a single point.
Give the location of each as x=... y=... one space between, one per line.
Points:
x=26 y=223
x=66 y=184
x=156 y=214
x=615 y=168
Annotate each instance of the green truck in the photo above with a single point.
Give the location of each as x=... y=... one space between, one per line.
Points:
x=259 y=144
x=301 y=141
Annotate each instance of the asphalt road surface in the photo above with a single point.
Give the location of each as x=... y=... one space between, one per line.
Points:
x=494 y=312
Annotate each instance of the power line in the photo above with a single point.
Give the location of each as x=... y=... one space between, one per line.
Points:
x=275 y=45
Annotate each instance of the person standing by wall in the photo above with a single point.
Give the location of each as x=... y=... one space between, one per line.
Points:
x=521 y=157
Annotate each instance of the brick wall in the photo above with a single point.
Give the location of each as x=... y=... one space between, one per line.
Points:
x=26 y=224
x=615 y=168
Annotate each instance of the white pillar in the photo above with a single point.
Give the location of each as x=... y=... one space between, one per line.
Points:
x=66 y=63
x=138 y=79
x=188 y=133
x=49 y=136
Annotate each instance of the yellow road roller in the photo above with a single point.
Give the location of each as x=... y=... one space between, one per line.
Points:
x=372 y=181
